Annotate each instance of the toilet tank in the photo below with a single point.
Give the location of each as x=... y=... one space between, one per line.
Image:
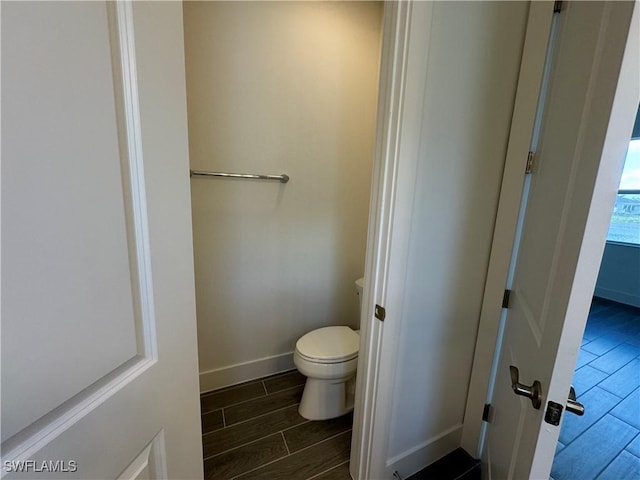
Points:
x=359 y=287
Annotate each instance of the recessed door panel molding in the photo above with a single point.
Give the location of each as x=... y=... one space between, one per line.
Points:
x=531 y=314
x=130 y=142
x=150 y=464
x=75 y=241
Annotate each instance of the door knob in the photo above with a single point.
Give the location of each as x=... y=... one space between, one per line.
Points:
x=573 y=405
x=533 y=392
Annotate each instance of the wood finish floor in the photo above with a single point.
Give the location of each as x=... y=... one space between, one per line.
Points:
x=254 y=431
x=457 y=465
x=605 y=442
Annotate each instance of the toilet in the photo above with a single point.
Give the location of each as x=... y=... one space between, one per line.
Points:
x=328 y=357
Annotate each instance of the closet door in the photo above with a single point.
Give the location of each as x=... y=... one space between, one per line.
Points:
x=99 y=360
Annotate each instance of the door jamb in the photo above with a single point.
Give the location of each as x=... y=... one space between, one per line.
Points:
x=405 y=40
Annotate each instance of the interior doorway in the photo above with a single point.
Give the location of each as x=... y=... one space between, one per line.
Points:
x=277 y=91
x=607 y=373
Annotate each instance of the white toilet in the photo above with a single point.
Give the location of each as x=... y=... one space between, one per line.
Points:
x=328 y=357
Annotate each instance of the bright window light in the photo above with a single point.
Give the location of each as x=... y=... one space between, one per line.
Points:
x=625 y=221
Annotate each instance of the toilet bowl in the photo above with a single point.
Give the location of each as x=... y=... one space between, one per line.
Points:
x=328 y=357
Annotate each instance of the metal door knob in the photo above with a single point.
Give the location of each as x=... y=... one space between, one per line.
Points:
x=533 y=392
x=573 y=405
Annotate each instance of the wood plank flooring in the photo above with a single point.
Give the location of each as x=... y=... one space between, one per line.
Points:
x=605 y=442
x=254 y=431
x=457 y=465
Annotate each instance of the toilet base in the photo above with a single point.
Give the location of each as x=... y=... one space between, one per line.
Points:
x=325 y=399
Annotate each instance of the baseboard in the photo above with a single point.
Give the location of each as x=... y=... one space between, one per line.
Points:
x=415 y=459
x=245 y=371
x=618 y=296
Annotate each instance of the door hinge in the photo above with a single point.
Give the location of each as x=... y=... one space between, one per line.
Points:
x=487 y=413
x=380 y=313
x=505 y=298
x=530 y=158
x=557 y=6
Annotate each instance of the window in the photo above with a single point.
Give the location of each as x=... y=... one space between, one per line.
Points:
x=625 y=221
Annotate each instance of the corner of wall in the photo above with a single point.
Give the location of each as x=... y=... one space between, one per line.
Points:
x=244 y=372
x=416 y=458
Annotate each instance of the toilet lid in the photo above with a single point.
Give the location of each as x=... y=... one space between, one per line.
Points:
x=329 y=345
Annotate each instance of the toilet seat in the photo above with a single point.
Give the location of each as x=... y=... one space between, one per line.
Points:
x=329 y=345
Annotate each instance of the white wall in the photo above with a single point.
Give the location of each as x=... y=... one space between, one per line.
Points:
x=473 y=64
x=278 y=88
x=619 y=277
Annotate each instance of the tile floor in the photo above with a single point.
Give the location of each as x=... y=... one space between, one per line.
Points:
x=254 y=431
x=605 y=442
x=457 y=465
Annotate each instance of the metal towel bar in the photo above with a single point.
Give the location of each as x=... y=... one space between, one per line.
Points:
x=199 y=173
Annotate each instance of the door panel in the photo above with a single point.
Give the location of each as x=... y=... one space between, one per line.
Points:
x=98 y=323
x=65 y=230
x=556 y=264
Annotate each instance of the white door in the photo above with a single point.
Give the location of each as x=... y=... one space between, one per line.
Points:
x=99 y=360
x=585 y=129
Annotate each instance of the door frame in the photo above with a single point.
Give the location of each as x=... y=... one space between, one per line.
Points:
x=403 y=69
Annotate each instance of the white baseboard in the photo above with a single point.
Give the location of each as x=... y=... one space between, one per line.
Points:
x=617 y=296
x=245 y=371
x=415 y=459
